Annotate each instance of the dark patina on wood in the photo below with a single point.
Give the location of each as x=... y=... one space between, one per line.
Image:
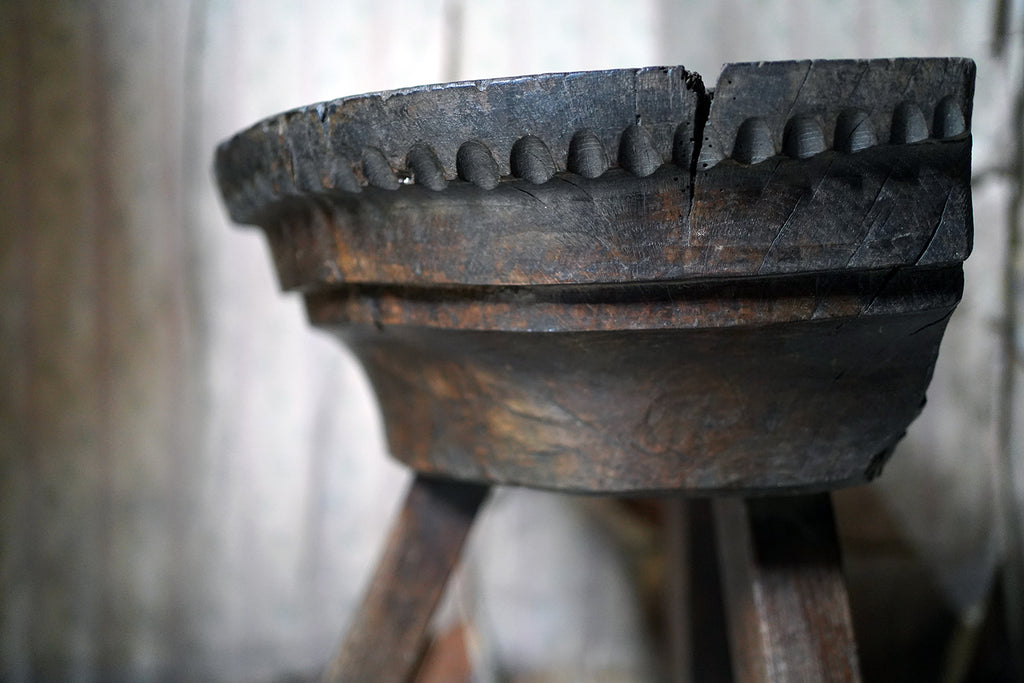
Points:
x=386 y=640
x=624 y=281
x=786 y=604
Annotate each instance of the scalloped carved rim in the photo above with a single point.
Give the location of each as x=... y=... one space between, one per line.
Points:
x=286 y=154
x=556 y=268
x=596 y=139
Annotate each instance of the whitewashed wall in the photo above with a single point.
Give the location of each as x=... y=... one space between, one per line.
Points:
x=193 y=484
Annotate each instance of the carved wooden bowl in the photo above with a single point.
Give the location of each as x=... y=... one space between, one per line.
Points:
x=621 y=281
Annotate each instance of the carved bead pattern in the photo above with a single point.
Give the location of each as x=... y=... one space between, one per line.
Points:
x=854 y=131
x=949 y=120
x=377 y=170
x=531 y=158
x=587 y=156
x=753 y=142
x=476 y=164
x=908 y=124
x=803 y=137
x=426 y=168
x=637 y=153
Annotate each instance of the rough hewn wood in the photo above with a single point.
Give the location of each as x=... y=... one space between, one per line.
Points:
x=327 y=146
x=808 y=405
x=715 y=304
x=782 y=171
x=883 y=207
x=698 y=644
x=883 y=94
x=631 y=310
x=843 y=164
x=386 y=639
x=253 y=59
x=765 y=319
x=789 y=616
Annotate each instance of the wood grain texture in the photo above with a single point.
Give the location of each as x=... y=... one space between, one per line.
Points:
x=551 y=329
x=864 y=204
x=149 y=505
x=270 y=160
x=818 y=91
x=788 y=612
x=386 y=638
x=286 y=437
x=782 y=170
x=654 y=410
x=698 y=643
x=93 y=366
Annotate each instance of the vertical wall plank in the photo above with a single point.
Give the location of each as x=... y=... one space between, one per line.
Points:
x=193 y=487
x=54 y=474
x=15 y=447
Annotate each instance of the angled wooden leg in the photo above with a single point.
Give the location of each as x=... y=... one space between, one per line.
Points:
x=386 y=639
x=786 y=602
x=698 y=642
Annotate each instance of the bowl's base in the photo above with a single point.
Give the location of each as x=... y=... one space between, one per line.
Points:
x=800 y=406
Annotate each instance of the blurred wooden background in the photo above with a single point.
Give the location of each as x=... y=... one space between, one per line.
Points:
x=193 y=484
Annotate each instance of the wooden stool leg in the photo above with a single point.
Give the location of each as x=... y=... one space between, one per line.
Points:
x=698 y=642
x=386 y=639
x=786 y=602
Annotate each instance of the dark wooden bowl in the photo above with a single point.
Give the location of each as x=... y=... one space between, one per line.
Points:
x=624 y=282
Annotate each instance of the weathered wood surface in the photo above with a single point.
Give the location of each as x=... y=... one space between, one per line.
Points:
x=386 y=640
x=696 y=625
x=135 y=555
x=767 y=321
x=832 y=165
x=718 y=304
x=801 y=406
x=407 y=184
x=788 y=612
x=612 y=186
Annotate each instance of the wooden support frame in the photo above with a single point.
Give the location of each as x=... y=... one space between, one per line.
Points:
x=638 y=295
x=786 y=601
x=696 y=628
x=386 y=641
